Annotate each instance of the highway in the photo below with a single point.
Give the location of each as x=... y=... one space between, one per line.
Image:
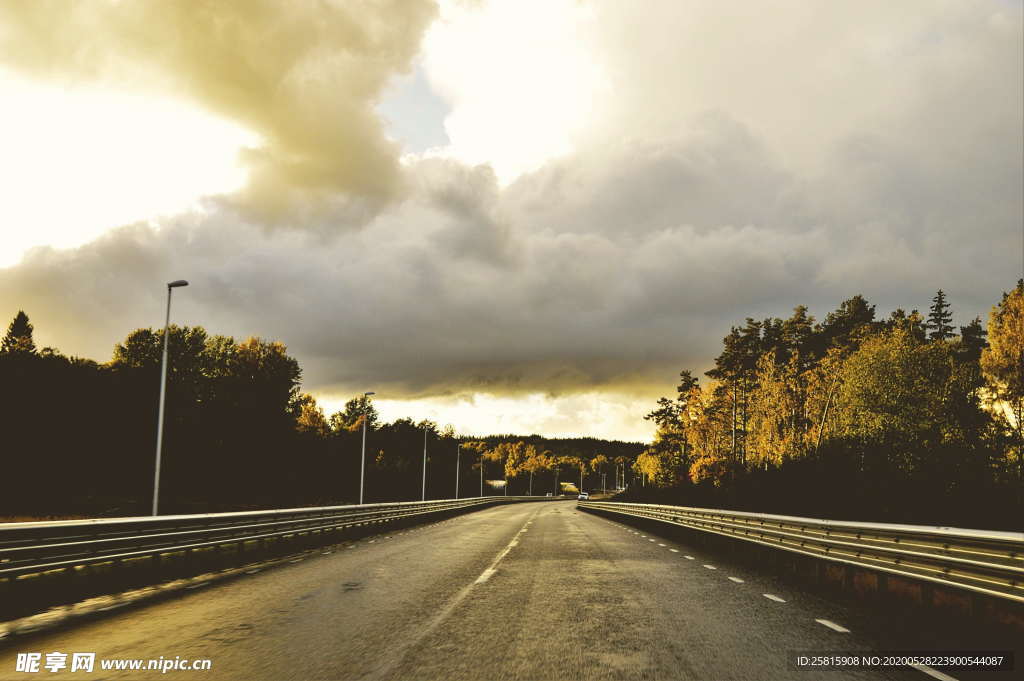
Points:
x=522 y=591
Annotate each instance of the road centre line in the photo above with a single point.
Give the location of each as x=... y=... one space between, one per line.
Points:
x=833 y=626
x=934 y=673
x=737 y=580
x=710 y=567
x=688 y=557
x=674 y=550
x=773 y=597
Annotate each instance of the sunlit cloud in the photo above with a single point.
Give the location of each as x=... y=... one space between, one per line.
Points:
x=78 y=161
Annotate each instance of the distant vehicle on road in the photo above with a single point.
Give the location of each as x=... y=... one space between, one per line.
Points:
x=584 y=496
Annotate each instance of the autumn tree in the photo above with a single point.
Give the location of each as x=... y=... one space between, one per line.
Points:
x=1003 y=362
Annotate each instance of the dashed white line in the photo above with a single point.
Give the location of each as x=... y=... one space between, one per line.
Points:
x=486 y=574
x=737 y=580
x=650 y=540
x=710 y=567
x=252 y=572
x=934 y=673
x=674 y=550
x=833 y=626
x=688 y=557
x=773 y=597
x=660 y=544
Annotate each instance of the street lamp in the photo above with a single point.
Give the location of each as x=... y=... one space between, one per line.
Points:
x=458 y=455
x=362 y=467
x=163 y=391
x=424 y=463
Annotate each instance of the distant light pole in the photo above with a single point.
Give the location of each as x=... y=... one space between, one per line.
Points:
x=424 y=463
x=481 y=474
x=458 y=455
x=163 y=391
x=362 y=467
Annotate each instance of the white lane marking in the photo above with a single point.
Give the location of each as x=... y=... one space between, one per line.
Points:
x=934 y=673
x=651 y=540
x=486 y=574
x=660 y=544
x=710 y=567
x=737 y=580
x=296 y=560
x=644 y=536
x=353 y=546
x=833 y=626
x=674 y=550
x=252 y=572
x=773 y=597
x=192 y=586
x=688 y=557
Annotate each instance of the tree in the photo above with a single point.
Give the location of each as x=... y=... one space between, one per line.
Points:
x=972 y=340
x=939 y=318
x=19 y=336
x=1002 y=362
x=351 y=418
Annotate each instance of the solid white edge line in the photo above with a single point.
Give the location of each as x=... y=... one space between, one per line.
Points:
x=833 y=626
x=934 y=673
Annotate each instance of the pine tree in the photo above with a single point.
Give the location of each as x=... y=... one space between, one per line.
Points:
x=972 y=340
x=939 y=318
x=19 y=336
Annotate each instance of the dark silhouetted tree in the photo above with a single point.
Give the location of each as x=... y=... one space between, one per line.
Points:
x=939 y=325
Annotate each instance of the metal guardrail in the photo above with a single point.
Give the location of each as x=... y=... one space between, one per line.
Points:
x=35 y=547
x=53 y=562
x=987 y=562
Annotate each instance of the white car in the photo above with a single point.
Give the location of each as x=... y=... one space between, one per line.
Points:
x=584 y=496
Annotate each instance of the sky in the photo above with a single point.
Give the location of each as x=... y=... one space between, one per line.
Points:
x=513 y=216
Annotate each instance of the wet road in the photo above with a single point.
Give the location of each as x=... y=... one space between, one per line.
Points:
x=523 y=591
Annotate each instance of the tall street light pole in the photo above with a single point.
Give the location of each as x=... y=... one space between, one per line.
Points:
x=424 y=463
x=163 y=393
x=481 y=473
x=458 y=454
x=362 y=467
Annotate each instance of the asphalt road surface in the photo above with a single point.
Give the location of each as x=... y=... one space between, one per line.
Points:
x=523 y=591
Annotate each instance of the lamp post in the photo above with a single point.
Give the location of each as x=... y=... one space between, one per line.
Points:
x=481 y=474
x=424 y=463
x=163 y=392
x=362 y=466
x=458 y=454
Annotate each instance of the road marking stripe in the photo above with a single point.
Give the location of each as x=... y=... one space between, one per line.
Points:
x=660 y=544
x=710 y=567
x=833 y=626
x=737 y=580
x=486 y=574
x=650 y=540
x=674 y=550
x=688 y=557
x=773 y=597
x=934 y=673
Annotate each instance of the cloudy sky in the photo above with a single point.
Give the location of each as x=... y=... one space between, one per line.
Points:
x=508 y=215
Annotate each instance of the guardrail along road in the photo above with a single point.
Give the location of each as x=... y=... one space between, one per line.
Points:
x=516 y=591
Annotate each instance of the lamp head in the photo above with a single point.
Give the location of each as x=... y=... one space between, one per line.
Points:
x=368 y=394
x=176 y=284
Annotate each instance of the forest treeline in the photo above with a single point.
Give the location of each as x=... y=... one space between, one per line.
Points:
x=905 y=418
x=78 y=436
